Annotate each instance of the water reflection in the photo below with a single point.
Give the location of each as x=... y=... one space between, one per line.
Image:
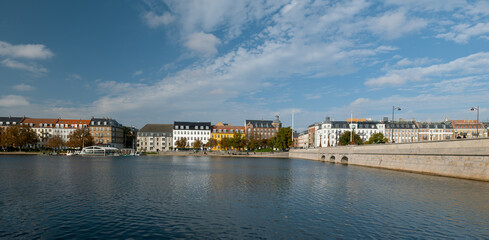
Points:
x=204 y=197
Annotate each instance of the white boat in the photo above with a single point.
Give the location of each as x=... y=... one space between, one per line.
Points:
x=100 y=151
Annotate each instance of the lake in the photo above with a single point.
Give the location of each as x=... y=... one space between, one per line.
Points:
x=232 y=198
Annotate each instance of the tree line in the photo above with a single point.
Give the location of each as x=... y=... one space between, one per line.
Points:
x=282 y=140
x=24 y=137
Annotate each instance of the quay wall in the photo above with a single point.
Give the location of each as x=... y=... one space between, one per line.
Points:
x=468 y=158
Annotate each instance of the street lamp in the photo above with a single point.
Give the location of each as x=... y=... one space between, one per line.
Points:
x=473 y=109
x=392 y=127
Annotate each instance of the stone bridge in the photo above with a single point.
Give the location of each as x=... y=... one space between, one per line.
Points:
x=468 y=158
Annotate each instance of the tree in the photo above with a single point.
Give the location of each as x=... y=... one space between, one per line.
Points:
x=129 y=136
x=225 y=143
x=19 y=136
x=211 y=143
x=80 y=138
x=377 y=138
x=181 y=143
x=252 y=143
x=345 y=138
x=283 y=139
x=237 y=141
x=197 y=144
x=55 y=142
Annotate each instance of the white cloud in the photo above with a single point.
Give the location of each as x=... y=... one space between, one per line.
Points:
x=31 y=51
x=461 y=33
x=13 y=101
x=474 y=64
x=153 y=20
x=22 y=66
x=203 y=43
x=137 y=73
x=23 y=87
x=395 y=24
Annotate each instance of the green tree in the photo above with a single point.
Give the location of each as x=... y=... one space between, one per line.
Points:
x=55 y=142
x=377 y=138
x=80 y=138
x=181 y=143
x=345 y=139
x=283 y=139
x=197 y=144
x=237 y=141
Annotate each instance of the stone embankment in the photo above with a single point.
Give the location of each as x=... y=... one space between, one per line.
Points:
x=468 y=158
x=225 y=154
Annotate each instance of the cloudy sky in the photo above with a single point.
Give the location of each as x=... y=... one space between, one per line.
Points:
x=220 y=60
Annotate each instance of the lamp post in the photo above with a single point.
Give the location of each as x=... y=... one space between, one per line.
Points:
x=392 y=127
x=473 y=109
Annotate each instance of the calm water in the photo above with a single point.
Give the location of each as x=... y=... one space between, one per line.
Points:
x=212 y=198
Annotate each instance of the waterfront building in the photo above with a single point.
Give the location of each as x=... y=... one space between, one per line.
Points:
x=107 y=132
x=192 y=131
x=311 y=133
x=295 y=140
x=221 y=130
x=155 y=138
x=303 y=139
x=435 y=131
x=329 y=132
x=65 y=127
x=401 y=131
x=6 y=122
x=262 y=129
x=43 y=127
x=468 y=128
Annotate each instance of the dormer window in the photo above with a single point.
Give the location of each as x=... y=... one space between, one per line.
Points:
x=196 y=127
x=206 y=127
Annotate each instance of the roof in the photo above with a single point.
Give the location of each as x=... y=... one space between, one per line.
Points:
x=108 y=121
x=260 y=123
x=466 y=123
x=157 y=128
x=35 y=122
x=70 y=122
x=10 y=120
x=192 y=125
x=401 y=125
x=228 y=127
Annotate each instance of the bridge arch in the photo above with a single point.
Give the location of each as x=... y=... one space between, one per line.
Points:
x=323 y=158
x=344 y=160
x=332 y=159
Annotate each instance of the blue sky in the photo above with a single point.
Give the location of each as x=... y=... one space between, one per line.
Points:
x=218 y=60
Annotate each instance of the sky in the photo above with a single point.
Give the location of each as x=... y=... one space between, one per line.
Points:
x=159 y=61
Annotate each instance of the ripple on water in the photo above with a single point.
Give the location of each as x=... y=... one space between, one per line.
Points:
x=212 y=198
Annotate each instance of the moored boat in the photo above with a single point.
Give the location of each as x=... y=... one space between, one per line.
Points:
x=100 y=151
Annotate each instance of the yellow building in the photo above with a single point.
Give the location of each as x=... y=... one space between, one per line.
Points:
x=221 y=130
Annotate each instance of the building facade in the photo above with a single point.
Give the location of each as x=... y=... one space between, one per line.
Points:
x=192 y=131
x=65 y=127
x=6 y=122
x=435 y=131
x=107 y=132
x=303 y=140
x=262 y=129
x=155 y=138
x=468 y=128
x=221 y=131
x=43 y=127
x=402 y=131
x=328 y=133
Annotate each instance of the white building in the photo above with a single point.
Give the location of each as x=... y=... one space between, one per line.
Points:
x=65 y=127
x=192 y=131
x=155 y=138
x=43 y=127
x=329 y=132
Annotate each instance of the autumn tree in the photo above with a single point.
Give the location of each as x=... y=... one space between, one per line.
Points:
x=211 y=143
x=345 y=138
x=377 y=138
x=197 y=144
x=225 y=143
x=19 y=136
x=237 y=141
x=55 y=142
x=181 y=143
x=252 y=143
x=80 y=138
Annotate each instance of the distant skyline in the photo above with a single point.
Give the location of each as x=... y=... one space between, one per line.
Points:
x=215 y=60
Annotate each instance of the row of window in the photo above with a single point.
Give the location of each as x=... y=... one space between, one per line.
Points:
x=193 y=132
x=226 y=130
x=192 y=138
x=188 y=127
